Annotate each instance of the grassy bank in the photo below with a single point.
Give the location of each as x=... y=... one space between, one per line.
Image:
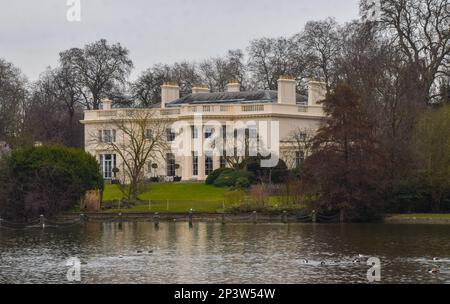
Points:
x=172 y=198
x=176 y=198
x=179 y=191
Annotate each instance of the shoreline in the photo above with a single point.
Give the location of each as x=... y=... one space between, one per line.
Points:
x=184 y=217
x=421 y=218
x=241 y=217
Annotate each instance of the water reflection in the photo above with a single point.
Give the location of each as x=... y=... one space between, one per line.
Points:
x=235 y=253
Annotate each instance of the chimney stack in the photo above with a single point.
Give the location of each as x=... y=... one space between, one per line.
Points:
x=170 y=91
x=233 y=86
x=106 y=102
x=200 y=89
x=317 y=91
x=287 y=93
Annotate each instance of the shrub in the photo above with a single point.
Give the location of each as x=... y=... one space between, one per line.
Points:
x=234 y=197
x=229 y=178
x=248 y=207
x=260 y=194
x=242 y=183
x=46 y=180
x=276 y=175
x=215 y=174
x=225 y=179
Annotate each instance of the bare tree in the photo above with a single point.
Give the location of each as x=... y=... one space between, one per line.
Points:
x=98 y=69
x=218 y=72
x=13 y=93
x=147 y=88
x=421 y=30
x=374 y=67
x=53 y=90
x=321 y=44
x=141 y=136
x=271 y=58
x=300 y=140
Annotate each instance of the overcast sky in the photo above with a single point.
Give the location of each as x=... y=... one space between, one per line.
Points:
x=33 y=32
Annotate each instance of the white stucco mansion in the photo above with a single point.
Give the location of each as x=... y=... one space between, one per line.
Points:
x=291 y=112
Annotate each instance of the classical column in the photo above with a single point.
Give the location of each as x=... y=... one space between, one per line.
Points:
x=186 y=167
x=216 y=162
x=201 y=167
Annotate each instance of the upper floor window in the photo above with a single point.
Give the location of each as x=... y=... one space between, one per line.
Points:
x=149 y=134
x=170 y=136
x=253 y=133
x=107 y=136
x=194 y=132
x=224 y=132
x=208 y=132
x=302 y=136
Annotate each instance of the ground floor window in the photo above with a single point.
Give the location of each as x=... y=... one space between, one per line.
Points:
x=149 y=169
x=194 y=164
x=223 y=162
x=209 y=168
x=299 y=158
x=170 y=164
x=107 y=164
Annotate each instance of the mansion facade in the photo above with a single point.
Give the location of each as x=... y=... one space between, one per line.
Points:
x=291 y=113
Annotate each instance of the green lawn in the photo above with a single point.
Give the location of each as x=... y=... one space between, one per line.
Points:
x=175 y=198
x=179 y=191
x=172 y=197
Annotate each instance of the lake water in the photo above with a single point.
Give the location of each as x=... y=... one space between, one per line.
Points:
x=234 y=253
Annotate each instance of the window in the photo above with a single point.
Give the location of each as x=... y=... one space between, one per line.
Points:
x=170 y=136
x=194 y=164
x=149 y=168
x=224 y=132
x=223 y=161
x=170 y=164
x=208 y=132
x=253 y=133
x=194 y=132
x=149 y=134
x=107 y=164
x=299 y=158
x=107 y=136
x=302 y=136
x=208 y=165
